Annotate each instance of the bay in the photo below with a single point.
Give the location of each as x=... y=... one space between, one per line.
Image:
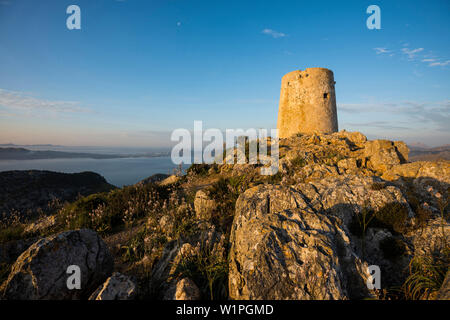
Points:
x=119 y=172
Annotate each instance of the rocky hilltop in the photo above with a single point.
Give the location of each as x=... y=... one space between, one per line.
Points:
x=338 y=204
x=28 y=192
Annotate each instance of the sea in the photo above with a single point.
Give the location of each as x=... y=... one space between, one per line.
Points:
x=118 y=172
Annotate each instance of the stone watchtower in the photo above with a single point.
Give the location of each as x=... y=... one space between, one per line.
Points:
x=307 y=103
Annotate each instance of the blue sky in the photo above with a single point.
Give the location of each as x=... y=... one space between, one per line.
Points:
x=139 y=69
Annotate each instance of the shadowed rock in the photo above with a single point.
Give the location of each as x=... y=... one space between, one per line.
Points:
x=40 y=271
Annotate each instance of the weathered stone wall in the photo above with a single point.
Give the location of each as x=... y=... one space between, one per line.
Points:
x=307 y=103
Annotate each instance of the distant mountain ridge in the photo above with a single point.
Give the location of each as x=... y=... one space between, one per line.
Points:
x=424 y=153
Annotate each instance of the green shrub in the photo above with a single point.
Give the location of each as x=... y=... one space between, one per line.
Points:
x=104 y=212
x=392 y=216
x=209 y=271
x=427 y=273
x=13 y=232
x=200 y=169
x=225 y=192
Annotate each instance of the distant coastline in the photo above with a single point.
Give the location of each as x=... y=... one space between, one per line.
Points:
x=13 y=153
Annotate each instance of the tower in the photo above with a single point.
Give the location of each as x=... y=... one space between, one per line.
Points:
x=307 y=103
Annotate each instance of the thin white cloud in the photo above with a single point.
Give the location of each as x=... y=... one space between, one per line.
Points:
x=273 y=33
x=440 y=64
x=411 y=53
x=381 y=50
x=23 y=101
x=414 y=55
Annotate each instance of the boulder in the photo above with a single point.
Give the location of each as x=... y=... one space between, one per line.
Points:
x=436 y=170
x=170 y=180
x=116 y=287
x=186 y=289
x=444 y=291
x=430 y=238
x=383 y=154
x=204 y=205
x=41 y=271
x=356 y=138
x=283 y=248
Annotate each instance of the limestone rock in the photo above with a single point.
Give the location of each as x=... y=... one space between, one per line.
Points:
x=356 y=138
x=429 y=239
x=437 y=170
x=204 y=206
x=383 y=154
x=42 y=224
x=444 y=292
x=170 y=180
x=116 y=287
x=346 y=195
x=40 y=271
x=186 y=289
x=402 y=150
x=282 y=248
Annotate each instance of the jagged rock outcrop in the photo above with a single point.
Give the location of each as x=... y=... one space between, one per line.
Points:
x=431 y=238
x=186 y=289
x=294 y=242
x=41 y=271
x=204 y=205
x=383 y=154
x=437 y=170
x=170 y=180
x=116 y=287
x=444 y=291
x=283 y=249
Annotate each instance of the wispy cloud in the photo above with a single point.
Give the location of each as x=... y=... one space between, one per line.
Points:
x=381 y=50
x=436 y=115
x=23 y=101
x=414 y=55
x=273 y=33
x=440 y=64
x=411 y=53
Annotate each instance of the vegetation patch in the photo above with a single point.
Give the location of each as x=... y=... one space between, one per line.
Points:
x=427 y=273
x=377 y=186
x=209 y=271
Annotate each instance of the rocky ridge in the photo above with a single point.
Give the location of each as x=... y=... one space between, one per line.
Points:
x=338 y=204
